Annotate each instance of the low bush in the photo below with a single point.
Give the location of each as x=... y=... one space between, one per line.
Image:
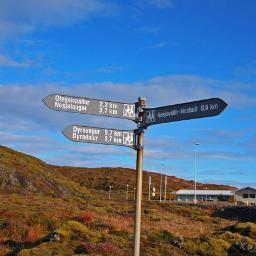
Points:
x=74 y=230
x=35 y=233
x=103 y=249
x=86 y=217
x=245 y=229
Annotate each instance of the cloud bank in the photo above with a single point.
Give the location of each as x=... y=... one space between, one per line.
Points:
x=27 y=125
x=30 y=15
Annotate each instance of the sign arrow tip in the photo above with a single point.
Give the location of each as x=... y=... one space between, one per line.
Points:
x=46 y=101
x=225 y=104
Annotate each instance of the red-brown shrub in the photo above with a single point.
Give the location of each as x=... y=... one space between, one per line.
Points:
x=106 y=249
x=34 y=233
x=86 y=217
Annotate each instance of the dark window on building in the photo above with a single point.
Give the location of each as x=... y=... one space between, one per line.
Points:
x=245 y=196
x=252 y=195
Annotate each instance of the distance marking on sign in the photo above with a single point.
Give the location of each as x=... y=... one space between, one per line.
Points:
x=183 y=111
x=82 y=105
x=96 y=135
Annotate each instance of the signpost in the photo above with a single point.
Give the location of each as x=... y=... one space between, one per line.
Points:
x=60 y=102
x=97 y=135
x=137 y=112
x=184 y=111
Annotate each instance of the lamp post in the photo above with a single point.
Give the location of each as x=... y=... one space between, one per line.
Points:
x=195 y=152
x=161 y=181
x=127 y=191
x=165 y=185
x=149 y=188
x=109 y=195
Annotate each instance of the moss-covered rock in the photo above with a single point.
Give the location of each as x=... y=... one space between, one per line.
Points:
x=223 y=244
x=245 y=229
x=74 y=230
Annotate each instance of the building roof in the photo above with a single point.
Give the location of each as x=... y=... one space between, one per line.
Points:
x=245 y=188
x=207 y=192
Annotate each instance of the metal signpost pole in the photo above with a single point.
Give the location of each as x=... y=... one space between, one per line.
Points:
x=139 y=164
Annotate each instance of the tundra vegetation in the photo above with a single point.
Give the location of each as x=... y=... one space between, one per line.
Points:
x=51 y=210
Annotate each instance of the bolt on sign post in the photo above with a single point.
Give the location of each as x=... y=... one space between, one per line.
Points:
x=136 y=112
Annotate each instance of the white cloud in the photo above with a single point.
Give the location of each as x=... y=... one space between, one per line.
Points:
x=159 y=45
x=162 y=3
x=22 y=16
x=110 y=69
x=24 y=115
x=6 y=61
x=248 y=69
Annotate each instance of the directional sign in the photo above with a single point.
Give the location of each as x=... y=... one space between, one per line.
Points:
x=97 y=135
x=184 y=111
x=90 y=106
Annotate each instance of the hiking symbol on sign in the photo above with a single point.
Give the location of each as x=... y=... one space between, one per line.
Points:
x=128 y=138
x=129 y=110
x=150 y=116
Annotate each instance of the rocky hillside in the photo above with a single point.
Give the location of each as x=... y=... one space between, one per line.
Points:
x=24 y=174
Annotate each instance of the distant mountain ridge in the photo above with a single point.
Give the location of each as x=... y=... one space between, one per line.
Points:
x=21 y=173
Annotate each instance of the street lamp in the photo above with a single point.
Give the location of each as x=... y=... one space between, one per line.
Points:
x=109 y=195
x=165 y=185
x=160 y=198
x=149 y=188
x=195 y=151
x=127 y=191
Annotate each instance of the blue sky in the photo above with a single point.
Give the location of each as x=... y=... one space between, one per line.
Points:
x=168 y=51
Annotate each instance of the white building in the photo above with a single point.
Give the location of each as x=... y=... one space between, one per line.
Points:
x=246 y=196
x=204 y=195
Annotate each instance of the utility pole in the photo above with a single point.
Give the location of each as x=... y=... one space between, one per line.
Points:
x=149 y=188
x=165 y=185
x=195 y=145
x=161 y=181
x=139 y=166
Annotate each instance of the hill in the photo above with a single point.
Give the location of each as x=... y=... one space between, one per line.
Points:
x=118 y=178
x=26 y=174
x=46 y=210
x=20 y=173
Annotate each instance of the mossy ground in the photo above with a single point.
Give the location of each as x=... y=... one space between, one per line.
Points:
x=50 y=210
x=40 y=225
